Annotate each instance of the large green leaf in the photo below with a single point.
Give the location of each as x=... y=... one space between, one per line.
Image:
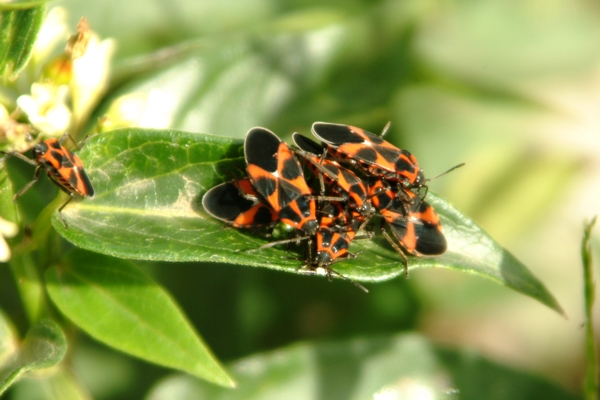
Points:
x=18 y=31
x=119 y=305
x=44 y=346
x=398 y=367
x=149 y=186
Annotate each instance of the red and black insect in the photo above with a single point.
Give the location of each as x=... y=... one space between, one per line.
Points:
x=376 y=156
x=359 y=174
x=330 y=245
x=277 y=176
x=337 y=228
x=353 y=189
x=239 y=205
x=63 y=167
x=384 y=196
x=417 y=229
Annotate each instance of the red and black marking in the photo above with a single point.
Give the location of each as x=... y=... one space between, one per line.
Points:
x=337 y=228
x=384 y=196
x=63 y=167
x=331 y=244
x=277 y=175
x=413 y=222
x=375 y=155
x=352 y=187
x=239 y=205
x=419 y=232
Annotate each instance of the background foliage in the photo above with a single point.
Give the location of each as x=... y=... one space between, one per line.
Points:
x=511 y=88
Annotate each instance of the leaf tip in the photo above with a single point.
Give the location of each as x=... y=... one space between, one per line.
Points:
x=223 y=379
x=562 y=312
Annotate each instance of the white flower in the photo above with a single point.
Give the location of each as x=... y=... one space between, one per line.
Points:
x=90 y=76
x=54 y=30
x=7 y=230
x=46 y=108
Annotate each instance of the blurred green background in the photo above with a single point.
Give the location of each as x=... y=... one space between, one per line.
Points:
x=511 y=88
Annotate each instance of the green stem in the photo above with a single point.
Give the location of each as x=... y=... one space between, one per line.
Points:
x=590 y=385
x=10 y=379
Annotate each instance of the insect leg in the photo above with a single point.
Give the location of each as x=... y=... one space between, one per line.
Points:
x=63 y=206
x=19 y=156
x=36 y=176
x=397 y=248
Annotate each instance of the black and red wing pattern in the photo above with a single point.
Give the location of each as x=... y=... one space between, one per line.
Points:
x=277 y=176
x=377 y=156
x=419 y=232
x=238 y=204
x=64 y=167
x=350 y=184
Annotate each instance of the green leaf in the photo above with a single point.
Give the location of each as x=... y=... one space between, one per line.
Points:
x=7 y=20
x=137 y=316
x=398 y=367
x=18 y=34
x=149 y=185
x=8 y=210
x=44 y=347
x=21 y=4
x=29 y=283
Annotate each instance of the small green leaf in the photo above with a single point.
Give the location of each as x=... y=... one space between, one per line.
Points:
x=7 y=20
x=44 y=346
x=149 y=186
x=117 y=304
x=18 y=34
x=8 y=210
x=399 y=367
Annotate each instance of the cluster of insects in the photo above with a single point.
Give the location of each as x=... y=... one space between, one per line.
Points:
x=63 y=167
x=360 y=176
x=355 y=178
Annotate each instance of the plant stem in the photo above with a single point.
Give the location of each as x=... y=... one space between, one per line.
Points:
x=590 y=384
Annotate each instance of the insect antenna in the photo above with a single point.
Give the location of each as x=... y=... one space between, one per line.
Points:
x=444 y=173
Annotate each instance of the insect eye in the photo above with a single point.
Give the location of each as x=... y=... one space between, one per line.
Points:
x=40 y=149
